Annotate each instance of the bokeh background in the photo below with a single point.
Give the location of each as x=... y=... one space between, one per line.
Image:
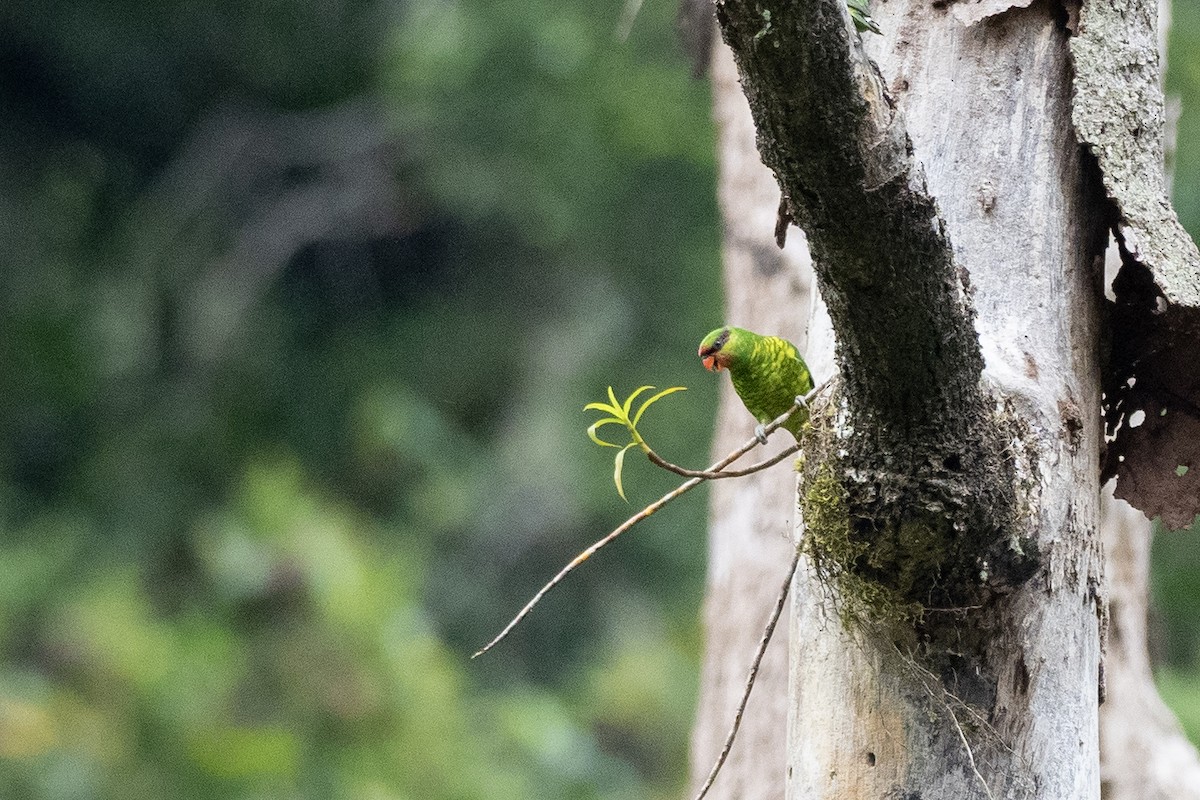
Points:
x=300 y=303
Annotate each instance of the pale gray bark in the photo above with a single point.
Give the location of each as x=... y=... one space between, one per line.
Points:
x=988 y=112
x=1144 y=754
x=991 y=130
x=983 y=109
x=1120 y=115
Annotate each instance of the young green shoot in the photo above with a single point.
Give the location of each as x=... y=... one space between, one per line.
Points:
x=618 y=414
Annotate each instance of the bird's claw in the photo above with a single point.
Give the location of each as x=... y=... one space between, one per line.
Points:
x=800 y=401
x=760 y=433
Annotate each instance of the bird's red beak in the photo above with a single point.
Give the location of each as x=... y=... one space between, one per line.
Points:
x=713 y=355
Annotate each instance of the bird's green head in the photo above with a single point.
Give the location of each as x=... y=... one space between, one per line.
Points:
x=719 y=349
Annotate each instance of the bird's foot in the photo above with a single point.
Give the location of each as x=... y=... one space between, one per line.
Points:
x=800 y=401
x=760 y=433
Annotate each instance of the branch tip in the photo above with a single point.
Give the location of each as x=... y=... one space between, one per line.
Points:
x=715 y=471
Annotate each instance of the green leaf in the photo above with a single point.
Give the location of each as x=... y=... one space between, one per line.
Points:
x=630 y=399
x=618 y=463
x=591 y=431
x=654 y=399
x=618 y=414
x=605 y=407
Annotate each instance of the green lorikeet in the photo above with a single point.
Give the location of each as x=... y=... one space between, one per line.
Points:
x=767 y=372
x=861 y=17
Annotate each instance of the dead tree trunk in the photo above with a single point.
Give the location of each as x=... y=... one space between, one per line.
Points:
x=987 y=686
x=946 y=634
x=1144 y=754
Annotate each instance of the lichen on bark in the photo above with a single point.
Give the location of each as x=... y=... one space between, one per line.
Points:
x=919 y=455
x=908 y=554
x=925 y=488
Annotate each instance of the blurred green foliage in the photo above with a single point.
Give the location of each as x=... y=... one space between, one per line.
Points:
x=1183 y=84
x=1175 y=567
x=289 y=433
x=299 y=308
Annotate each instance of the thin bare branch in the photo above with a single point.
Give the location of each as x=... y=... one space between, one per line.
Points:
x=649 y=510
x=768 y=632
x=712 y=476
x=939 y=694
x=962 y=737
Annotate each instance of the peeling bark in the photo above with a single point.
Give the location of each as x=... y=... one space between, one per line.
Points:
x=1119 y=114
x=1144 y=754
x=1153 y=383
x=986 y=111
